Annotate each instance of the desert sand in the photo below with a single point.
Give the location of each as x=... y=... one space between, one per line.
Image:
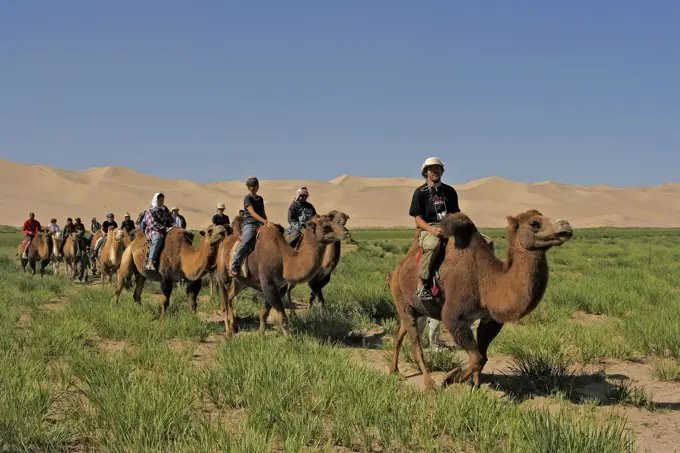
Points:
x=370 y=202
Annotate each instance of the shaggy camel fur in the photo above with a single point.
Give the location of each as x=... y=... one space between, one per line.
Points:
x=475 y=285
x=272 y=266
x=75 y=256
x=40 y=251
x=56 y=257
x=178 y=260
x=111 y=253
x=331 y=258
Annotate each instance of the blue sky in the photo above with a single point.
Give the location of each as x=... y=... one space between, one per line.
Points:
x=577 y=92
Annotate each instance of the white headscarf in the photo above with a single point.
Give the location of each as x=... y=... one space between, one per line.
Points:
x=301 y=191
x=154 y=200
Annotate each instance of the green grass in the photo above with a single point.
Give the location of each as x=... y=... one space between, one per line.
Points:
x=101 y=377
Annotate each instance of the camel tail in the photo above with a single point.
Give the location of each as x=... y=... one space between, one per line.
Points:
x=459 y=226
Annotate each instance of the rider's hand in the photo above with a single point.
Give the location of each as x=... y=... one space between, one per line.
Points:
x=436 y=231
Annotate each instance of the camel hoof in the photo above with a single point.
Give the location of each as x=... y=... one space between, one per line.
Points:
x=452 y=377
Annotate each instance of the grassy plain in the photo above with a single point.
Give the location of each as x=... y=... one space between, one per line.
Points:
x=80 y=374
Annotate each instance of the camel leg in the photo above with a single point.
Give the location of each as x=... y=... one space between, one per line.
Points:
x=264 y=314
x=397 y=346
x=193 y=288
x=464 y=338
x=486 y=332
x=276 y=297
x=224 y=302
x=227 y=297
x=317 y=288
x=166 y=289
x=411 y=325
x=43 y=265
x=289 y=296
x=32 y=264
x=139 y=286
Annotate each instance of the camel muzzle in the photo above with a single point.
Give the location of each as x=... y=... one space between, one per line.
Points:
x=564 y=230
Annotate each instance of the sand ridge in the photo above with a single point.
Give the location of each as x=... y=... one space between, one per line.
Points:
x=370 y=202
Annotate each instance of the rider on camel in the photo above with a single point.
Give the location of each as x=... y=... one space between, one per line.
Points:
x=68 y=229
x=31 y=228
x=109 y=222
x=94 y=225
x=431 y=202
x=299 y=212
x=254 y=217
x=157 y=223
x=54 y=226
x=220 y=218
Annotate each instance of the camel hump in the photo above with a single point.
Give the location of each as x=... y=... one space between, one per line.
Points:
x=458 y=225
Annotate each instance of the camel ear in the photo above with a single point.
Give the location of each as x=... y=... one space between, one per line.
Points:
x=513 y=223
x=202 y=232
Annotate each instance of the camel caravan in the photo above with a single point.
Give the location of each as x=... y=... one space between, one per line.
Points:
x=449 y=275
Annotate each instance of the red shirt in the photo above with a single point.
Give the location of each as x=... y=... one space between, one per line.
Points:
x=31 y=226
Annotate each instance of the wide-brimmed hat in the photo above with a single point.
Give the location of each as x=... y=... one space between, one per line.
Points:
x=430 y=161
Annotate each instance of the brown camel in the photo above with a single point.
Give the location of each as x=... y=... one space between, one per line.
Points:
x=75 y=256
x=331 y=258
x=475 y=285
x=272 y=266
x=111 y=253
x=40 y=251
x=57 y=257
x=178 y=260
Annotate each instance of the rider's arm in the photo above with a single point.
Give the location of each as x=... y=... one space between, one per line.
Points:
x=292 y=213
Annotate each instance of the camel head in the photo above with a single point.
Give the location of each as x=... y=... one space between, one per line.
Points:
x=338 y=217
x=214 y=234
x=325 y=230
x=47 y=232
x=531 y=230
x=119 y=235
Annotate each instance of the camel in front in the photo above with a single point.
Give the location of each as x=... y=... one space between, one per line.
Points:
x=475 y=285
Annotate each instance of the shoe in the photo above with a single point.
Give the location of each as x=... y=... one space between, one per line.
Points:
x=233 y=272
x=150 y=266
x=24 y=257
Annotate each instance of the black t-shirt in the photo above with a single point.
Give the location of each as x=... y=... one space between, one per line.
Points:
x=107 y=224
x=128 y=225
x=220 y=219
x=426 y=205
x=257 y=202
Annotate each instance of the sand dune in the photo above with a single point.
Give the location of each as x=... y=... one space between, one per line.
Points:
x=381 y=202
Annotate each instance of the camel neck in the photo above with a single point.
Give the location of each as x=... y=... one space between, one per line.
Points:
x=196 y=261
x=301 y=265
x=517 y=286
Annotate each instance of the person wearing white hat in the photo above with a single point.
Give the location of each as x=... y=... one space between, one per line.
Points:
x=180 y=222
x=220 y=218
x=431 y=202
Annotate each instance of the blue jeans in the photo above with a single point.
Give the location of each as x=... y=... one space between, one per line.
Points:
x=248 y=234
x=156 y=247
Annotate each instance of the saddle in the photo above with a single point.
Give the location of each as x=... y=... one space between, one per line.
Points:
x=244 y=263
